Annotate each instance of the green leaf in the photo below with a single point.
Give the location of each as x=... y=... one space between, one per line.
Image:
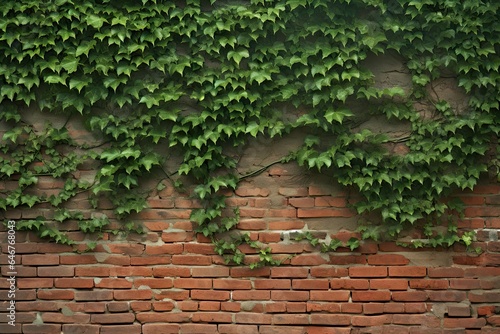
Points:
x=70 y=63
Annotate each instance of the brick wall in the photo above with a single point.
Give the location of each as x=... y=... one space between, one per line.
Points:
x=169 y=280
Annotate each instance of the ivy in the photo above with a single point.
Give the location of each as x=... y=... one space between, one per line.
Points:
x=191 y=78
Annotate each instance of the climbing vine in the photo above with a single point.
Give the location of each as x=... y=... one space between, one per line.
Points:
x=158 y=78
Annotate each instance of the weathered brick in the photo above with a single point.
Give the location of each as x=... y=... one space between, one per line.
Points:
x=368 y=272
x=289 y=272
x=75 y=283
x=40 y=260
x=42 y=328
x=330 y=295
x=153 y=283
x=112 y=283
x=331 y=319
x=429 y=284
x=132 y=294
x=56 y=294
x=80 y=329
x=253 y=318
x=407 y=271
x=389 y=284
x=160 y=328
x=117 y=318
x=120 y=329
x=209 y=295
x=232 y=284
x=94 y=295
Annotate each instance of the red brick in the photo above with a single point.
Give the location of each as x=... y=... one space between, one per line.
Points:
x=253 y=295
x=40 y=260
x=286 y=225
x=198 y=328
x=415 y=307
x=120 y=329
x=407 y=271
x=289 y=272
x=172 y=294
x=465 y=284
x=373 y=308
x=330 y=295
x=232 y=284
x=349 y=284
x=149 y=260
x=213 y=317
x=484 y=297
x=132 y=294
x=156 y=226
x=445 y=272
x=163 y=306
x=160 y=328
x=387 y=260
x=126 y=249
x=42 y=306
x=310 y=284
x=80 y=329
x=371 y=296
x=153 y=283
x=308 y=260
x=314 y=307
x=235 y=329
x=429 y=284
x=209 y=306
x=482 y=211
x=230 y=307
x=56 y=294
x=113 y=283
x=464 y=322
x=130 y=271
x=368 y=272
x=171 y=272
x=328 y=271
x=92 y=271
x=486 y=310
x=447 y=296
x=140 y=306
x=209 y=295
x=117 y=318
x=371 y=321
x=192 y=260
x=210 y=272
x=290 y=295
x=416 y=319
x=167 y=317
x=409 y=296
x=94 y=295
x=42 y=328
x=27 y=283
x=193 y=283
x=77 y=259
x=458 y=311
x=327 y=330
x=252 y=318
x=118 y=307
x=389 y=284
x=48 y=317
x=290 y=319
x=351 y=308
x=338 y=202
x=75 y=283
x=270 y=284
x=482 y=272
x=331 y=319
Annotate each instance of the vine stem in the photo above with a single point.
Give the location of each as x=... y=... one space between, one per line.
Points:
x=260 y=170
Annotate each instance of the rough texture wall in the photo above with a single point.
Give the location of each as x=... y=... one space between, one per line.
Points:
x=169 y=280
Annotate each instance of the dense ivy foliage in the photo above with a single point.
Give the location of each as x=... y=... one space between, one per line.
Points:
x=156 y=78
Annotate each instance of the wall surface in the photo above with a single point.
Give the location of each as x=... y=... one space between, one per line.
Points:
x=169 y=280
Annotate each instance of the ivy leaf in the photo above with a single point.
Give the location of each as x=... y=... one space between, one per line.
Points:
x=70 y=64
x=95 y=21
x=238 y=55
x=252 y=128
